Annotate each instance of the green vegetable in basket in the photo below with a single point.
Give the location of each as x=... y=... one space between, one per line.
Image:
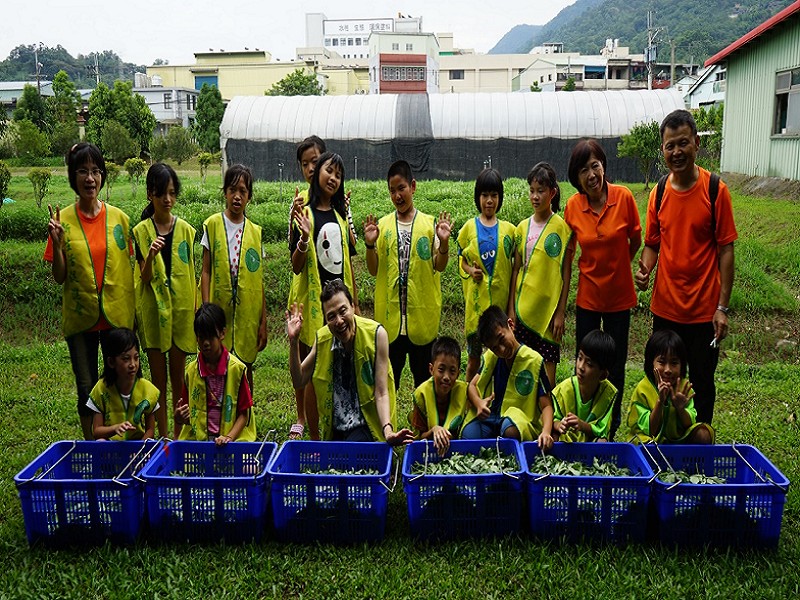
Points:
x=685 y=477
x=556 y=466
x=486 y=461
x=331 y=471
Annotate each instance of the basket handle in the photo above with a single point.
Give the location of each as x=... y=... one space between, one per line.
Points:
x=425 y=469
x=761 y=477
x=396 y=471
x=654 y=461
x=274 y=434
x=146 y=456
x=500 y=462
x=51 y=467
x=546 y=468
x=137 y=455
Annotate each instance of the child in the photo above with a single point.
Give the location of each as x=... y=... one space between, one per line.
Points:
x=542 y=269
x=583 y=403
x=123 y=403
x=406 y=252
x=510 y=395
x=662 y=409
x=320 y=252
x=441 y=402
x=486 y=248
x=165 y=292
x=212 y=382
x=233 y=274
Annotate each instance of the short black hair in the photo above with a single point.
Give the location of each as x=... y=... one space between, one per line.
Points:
x=489 y=180
x=118 y=341
x=678 y=118
x=664 y=342
x=402 y=168
x=209 y=321
x=333 y=287
x=78 y=156
x=234 y=174
x=158 y=178
x=310 y=142
x=447 y=346
x=337 y=200
x=492 y=318
x=599 y=347
x=581 y=153
x=544 y=174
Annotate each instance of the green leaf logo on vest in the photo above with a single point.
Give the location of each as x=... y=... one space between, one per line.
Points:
x=508 y=245
x=141 y=408
x=524 y=383
x=183 y=252
x=119 y=236
x=367 y=374
x=424 y=248
x=228 y=416
x=552 y=245
x=252 y=260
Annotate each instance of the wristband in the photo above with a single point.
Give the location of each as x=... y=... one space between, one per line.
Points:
x=385 y=425
x=369 y=246
x=723 y=309
x=445 y=252
x=301 y=250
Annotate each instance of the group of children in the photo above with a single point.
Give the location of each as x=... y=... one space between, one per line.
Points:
x=515 y=282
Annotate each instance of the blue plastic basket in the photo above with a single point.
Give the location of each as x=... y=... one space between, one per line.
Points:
x=85 y=492
x=744 y=511
x=339 y=509
x=463 y=506
x=201 y=492
x=592 y=508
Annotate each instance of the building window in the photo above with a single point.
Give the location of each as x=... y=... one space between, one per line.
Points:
x=787 y=105
x=327 y=41
x=409 y=47
x=402 y=73
x=358 y=41
x=167 y=100
x=456 y=74
x=395 y=46
x=343 y=41
x=335 y=42
x=349 y=41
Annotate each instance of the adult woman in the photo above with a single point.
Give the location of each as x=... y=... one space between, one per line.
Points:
x=90 y=250
x=606 y=223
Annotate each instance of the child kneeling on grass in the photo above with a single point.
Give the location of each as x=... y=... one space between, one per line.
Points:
x=583 y=403
x=441 y=402
x=510 y=395
x=662 y=408
x=211 y=384
x=124 y=403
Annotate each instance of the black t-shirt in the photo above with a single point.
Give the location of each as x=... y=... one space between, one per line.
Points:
x=327 y=239
x=166 y=252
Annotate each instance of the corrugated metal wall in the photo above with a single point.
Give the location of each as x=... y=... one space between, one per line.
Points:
x=748 y=144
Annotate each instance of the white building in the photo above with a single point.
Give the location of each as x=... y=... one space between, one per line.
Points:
x=708 y=89
x=349 y=38
x=170 y=105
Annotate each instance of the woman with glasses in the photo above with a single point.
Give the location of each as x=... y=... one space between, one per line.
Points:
x=89 y=247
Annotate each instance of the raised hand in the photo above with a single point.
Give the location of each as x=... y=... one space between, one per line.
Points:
x=54 y=227
x=485 y=409
x=443 y=226
x=157 y=246
x=682 y=393
x=370 y=230
x=294 y=321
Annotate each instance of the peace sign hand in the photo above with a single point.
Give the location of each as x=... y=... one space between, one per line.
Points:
x=54 y=227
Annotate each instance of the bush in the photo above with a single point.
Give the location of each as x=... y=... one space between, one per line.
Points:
x=30 y=142
x=135 y=168
x=180 y=144
x=112 y=174
x=40 y=178
x=5 y=177
x=117 y=143
x=63 y=137
x=205 y=159
x=158 y=148
x=23 y=221
x=195 y=193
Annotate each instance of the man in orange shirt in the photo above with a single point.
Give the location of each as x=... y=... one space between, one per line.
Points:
x=695 y=257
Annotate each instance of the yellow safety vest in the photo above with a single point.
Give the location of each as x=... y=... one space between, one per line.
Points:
x=144 y=398
x=521 y=400
x=306 y=287
x=596 y=411
x=165 y=307
x=424 y=293
x=539 y=282
x=643 y=402
x=491 y=290
x=365 y=351
x=242 y=306
x=425 y=401
x=81 y=306
x=197 y=427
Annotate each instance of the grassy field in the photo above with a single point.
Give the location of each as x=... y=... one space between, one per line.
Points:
x=758 y=379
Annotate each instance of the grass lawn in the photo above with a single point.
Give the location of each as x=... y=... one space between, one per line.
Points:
x=758 y=379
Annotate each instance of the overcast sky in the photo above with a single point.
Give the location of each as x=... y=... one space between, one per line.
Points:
x=140 y=31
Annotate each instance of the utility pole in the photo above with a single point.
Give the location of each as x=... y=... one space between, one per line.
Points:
x=36 y=47
x=672 y=63
x=95 y=69
x=650 y=51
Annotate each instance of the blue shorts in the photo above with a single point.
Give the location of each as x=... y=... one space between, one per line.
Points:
x=491 y=427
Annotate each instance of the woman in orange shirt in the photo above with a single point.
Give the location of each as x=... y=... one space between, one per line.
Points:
x=606 y=223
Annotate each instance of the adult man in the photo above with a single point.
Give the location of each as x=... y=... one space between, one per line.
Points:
x=349 y=368
x=694 y=252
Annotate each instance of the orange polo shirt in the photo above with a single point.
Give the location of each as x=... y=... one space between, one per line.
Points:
x=687 y=284
x=605 y=275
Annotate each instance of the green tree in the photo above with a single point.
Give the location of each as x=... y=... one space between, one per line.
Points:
x=158 y=148
x=205 y=159
x=180 y=145
x=65 y=100
x=118 y=145
x=32 y=107
x=535 y=87
x=297 y=83
x=642 y=143
x=132 y=112
x=40 y=178
x=30 y=142
x=112 y=174
x=569 y=85
x=709 y=124
x=135 y=168
x=101 y=110
x=210 y=110
x=5 y=178
x=63 y=137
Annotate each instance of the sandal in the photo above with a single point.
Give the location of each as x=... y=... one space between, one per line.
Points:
x=296 y=431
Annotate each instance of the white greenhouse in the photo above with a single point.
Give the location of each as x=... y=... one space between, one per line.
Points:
x=442 y=136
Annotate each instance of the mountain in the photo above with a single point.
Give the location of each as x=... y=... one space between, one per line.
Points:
x=698 y=29
x=517 y=40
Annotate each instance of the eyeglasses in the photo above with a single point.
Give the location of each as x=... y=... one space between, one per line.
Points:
x=86 y=172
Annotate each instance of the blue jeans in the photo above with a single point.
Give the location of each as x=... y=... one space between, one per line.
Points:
x=83 y=356
x=491 y=427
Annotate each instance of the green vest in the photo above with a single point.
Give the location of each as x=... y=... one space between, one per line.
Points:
x=643 y=402
x=197 y=428
x=424 y=297
x=306 y=287
x=165 y=308
x=81 y=306
x=365 y=351
x=539 y=284
x=243 y=305
x=144 y=398
x=521 y=400
x=596 y=412
x=425 y=401
x=491 y=290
